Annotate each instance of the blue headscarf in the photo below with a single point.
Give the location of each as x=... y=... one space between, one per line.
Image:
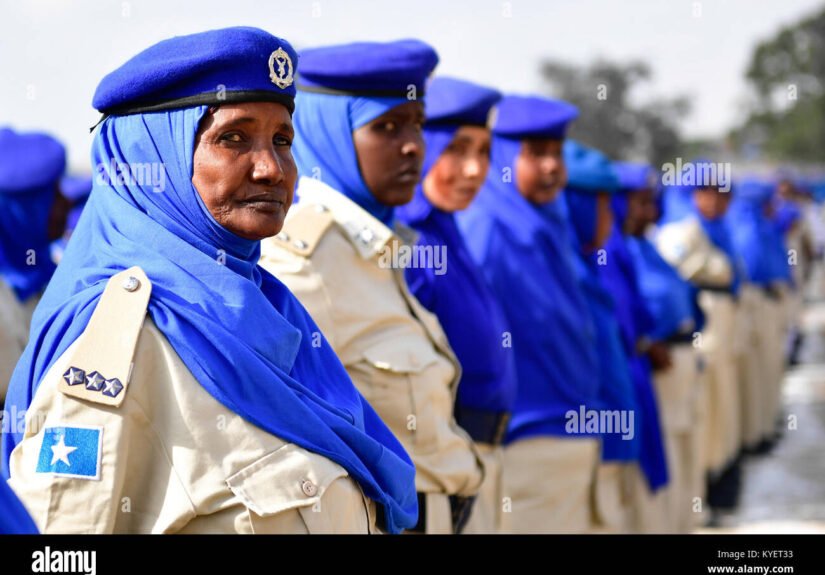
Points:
x=323 y=146
x=233 y=324
x=632 y=177
x=758 y=240
x=677 y=204
x=607 y=276
x=14 y=519
x=616 y=389
x=670 y=300
x=525 y=252
x=30 y=167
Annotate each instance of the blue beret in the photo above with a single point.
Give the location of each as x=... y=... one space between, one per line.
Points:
x=635 y=176
x=521 y=117
x=588 y=170
x=451 y=101
x=378 y=69
x=29 y=161
x=76 y=188
x=210 y=68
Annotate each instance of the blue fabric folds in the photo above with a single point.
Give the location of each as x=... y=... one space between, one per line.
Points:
x=242 y=334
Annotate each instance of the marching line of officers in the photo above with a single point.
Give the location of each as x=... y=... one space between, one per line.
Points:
x=364 y=300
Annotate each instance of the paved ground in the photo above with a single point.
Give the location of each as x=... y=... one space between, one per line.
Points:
x=784 y=491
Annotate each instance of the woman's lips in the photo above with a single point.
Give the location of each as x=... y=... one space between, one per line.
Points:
x=410 y=175
x=264 y=204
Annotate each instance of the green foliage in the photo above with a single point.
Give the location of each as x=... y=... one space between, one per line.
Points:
x=787 y=77
x=610 y=120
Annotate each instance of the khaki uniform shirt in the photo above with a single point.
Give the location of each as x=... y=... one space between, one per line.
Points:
x=158 y=453
x=686 y=246
x=331 y=254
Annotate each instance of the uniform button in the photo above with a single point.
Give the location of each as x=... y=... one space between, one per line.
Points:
x=366 y=235
x=309 y=488
x=300 y=244
x=283 y=236
x=131 y=283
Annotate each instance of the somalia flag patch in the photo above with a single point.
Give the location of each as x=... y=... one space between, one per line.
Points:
x=71 y=452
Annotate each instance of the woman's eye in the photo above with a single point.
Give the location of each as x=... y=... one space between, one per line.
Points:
x=389 y=126
x=282 y=141
x=232 y=137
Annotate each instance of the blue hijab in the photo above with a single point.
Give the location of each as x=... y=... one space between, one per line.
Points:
x=625 y=385
x=609 y=272
x=235 y=326
x=616 y=390
x=30 y=167
x=323 y=146
x=670 y=300
x=466 y=307
x=620 y=278
x=524 y=251
x=14 y=519
x=757 y=239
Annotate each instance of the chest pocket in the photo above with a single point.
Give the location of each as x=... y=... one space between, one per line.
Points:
x=292 y=490
x=408 y=383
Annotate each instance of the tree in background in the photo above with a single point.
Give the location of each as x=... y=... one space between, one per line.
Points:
x=609 y=120
x=787 y=78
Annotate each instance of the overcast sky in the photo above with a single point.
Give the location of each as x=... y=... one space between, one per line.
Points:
x=54 y=52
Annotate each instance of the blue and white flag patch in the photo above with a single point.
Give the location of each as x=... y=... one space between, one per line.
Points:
x=71 y=452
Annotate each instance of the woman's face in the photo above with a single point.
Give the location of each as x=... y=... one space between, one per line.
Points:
x=540 y=170
x=604 y=223
x=457 y=176
x=642 y=211
x=243 y=167
x=390 y=152
x=711 y=203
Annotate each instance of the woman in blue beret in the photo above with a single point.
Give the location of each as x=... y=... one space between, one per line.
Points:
x=676 y=320
x=171 y=384
x=455 y=165
x=591 y=182
x=516 y=231
x=32 y=214
x=693 y=238
x=359 y=149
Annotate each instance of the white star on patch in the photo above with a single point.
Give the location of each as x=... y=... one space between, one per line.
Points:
x=61 y=451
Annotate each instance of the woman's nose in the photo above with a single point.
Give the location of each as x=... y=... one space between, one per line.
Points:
x=413 y=146
x=267 y=167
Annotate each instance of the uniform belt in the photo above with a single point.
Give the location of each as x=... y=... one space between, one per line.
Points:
x=772 y=293
x=482 y=425
x=715 y=289
x=460 y=507
x=680 y=338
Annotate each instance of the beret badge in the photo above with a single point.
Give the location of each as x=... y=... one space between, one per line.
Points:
x=280 y=69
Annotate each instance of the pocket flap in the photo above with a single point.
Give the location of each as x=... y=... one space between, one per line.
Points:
x=288 y=478
x=410 y=356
